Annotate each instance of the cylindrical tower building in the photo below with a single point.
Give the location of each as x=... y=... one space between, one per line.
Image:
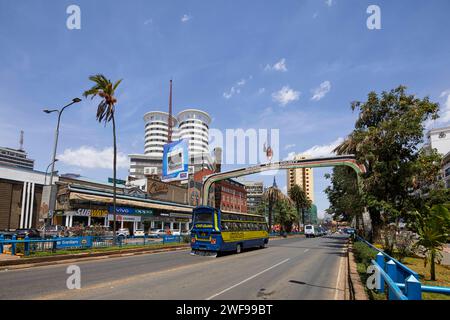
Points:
x=194 y=126
x=156 y=132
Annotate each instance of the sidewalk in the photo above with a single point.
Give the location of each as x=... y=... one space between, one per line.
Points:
x=7 y=257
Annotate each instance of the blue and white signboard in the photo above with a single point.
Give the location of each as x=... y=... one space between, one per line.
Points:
x=78 y=242
x=175 y=161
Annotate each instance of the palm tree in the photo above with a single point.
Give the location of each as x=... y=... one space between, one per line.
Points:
x=105 y=89
x=300 y=199
x=272 y=195
x=433 y=228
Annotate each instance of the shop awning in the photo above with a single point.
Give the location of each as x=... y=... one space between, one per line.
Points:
x=127 y=202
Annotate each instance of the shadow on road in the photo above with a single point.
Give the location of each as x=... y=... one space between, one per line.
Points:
x=310 y=285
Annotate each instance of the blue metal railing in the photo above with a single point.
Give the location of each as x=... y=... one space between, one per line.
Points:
x=402 y=282
x=28 y=246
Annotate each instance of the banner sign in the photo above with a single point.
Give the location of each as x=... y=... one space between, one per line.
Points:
x=78 y=242
x=124 y=218
x=131 y=211
x=175 y=161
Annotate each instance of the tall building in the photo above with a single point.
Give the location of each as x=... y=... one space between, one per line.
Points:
x=439 y=139
x=156 y=132
x=303 y=177
x=255 y=190
x=15 y=157
x=194 y=126
x=446 y=170
x=190 y=124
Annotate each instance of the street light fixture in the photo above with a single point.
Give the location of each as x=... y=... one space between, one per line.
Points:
x=74 y=100
x=46 y=172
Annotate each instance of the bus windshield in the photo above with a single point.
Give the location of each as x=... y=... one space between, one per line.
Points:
x=203 y=217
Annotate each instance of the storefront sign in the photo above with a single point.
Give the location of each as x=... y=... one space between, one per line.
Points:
x=131 y=211
x=180 y=215
x=124 y=218
x=155 y=187
x=91 y=213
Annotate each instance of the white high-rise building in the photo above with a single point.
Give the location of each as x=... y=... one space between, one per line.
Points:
x=156 y=132
x=194 y=126
x=190 y=124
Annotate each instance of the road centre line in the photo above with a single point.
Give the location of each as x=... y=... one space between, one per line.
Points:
x=248 y=279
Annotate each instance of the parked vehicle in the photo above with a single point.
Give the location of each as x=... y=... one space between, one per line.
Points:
x=52 y=231
x=350 y=231
x=310 y=231
x=175 y=232
x=156 y=233
x=139 y=233
x=123 y=232
x=31 y=233
x=7 y=234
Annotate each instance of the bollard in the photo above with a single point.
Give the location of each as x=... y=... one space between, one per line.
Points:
x=413 y=288
x=1 y=243
x=13 y=245
x=392 y=273
x=26 y=245
x=145 y=236
x=54 y=244
x=381 y=264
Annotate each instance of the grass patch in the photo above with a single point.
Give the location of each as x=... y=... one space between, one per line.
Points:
x=97 y=250
x=442 y=276
x=363 y=256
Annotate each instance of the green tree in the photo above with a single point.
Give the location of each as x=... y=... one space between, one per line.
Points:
x=386 y=137
x=105 y=89
x=343 y=195
x=433 y=227
x=271 y=196
x=301 y=201
x=286 y=214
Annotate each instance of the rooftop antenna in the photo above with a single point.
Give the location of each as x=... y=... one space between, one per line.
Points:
x=21 y=140
x=169 y=134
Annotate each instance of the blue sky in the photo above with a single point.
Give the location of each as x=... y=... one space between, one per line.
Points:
x=300 y=46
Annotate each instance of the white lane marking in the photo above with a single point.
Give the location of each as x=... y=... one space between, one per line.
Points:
x=338 y=281
x=248 y=279
x=306 y=250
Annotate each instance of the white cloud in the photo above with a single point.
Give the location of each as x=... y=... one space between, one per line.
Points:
x=186 y=18
x=315 y=15
x=261 y=90
x=285 y=95
x=278 y=66
x=329 y=2
x=289 y=146
x=323 y=150
x=236 y=88
x=445 y=112
x=148 y=21
x=321 y=90
x=92 y=158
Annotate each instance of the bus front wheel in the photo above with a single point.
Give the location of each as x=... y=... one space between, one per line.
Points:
x=239 y=248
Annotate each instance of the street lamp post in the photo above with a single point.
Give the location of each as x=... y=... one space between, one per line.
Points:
x=46 y=172
x=74 y=100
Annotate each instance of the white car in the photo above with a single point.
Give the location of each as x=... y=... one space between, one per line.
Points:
x=175 y=232
x=123 y=232
x=139 y=233
x=156 y=233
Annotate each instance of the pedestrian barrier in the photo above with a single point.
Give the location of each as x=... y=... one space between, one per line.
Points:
x=402 y=282
x=27 y=246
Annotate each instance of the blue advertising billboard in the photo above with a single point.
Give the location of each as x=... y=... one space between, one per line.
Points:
x=175 y=161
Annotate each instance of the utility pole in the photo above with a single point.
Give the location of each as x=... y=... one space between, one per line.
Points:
x=170 y=128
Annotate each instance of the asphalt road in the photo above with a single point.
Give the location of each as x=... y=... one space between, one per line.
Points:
x=292 y=268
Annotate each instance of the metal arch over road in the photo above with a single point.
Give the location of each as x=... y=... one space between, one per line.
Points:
x=343 y=160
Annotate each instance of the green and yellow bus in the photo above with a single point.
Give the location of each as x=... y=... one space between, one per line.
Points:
x=217 y=231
